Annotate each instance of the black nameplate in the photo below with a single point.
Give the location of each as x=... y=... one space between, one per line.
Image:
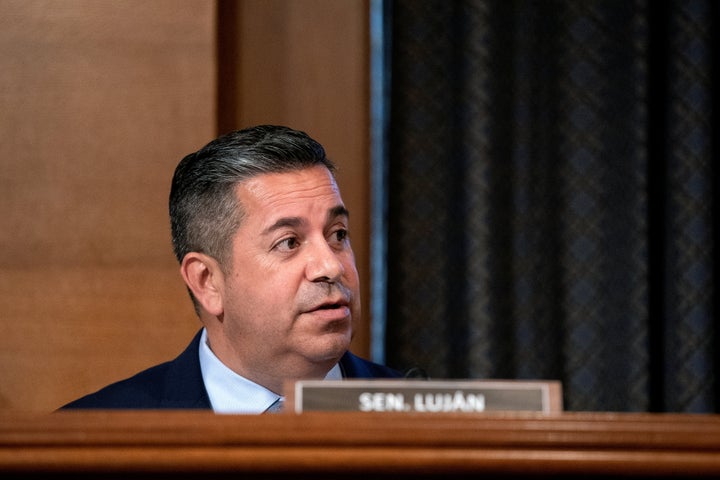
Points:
x=425 y=396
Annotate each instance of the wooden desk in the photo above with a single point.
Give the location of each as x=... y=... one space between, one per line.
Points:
x=358 y=445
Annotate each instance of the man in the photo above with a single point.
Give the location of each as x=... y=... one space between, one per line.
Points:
x=261 y=234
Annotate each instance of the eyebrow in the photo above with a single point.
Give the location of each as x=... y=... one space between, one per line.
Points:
x=294 y=222
x=339 y=211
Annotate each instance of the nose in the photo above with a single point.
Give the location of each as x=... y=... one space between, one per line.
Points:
x=323 y=263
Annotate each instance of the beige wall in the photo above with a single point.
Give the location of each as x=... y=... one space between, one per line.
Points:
x=98 y=101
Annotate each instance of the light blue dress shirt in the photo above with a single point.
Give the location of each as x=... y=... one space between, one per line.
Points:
x=233 y=393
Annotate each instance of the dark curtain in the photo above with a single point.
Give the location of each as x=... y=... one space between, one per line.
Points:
x=552 y=209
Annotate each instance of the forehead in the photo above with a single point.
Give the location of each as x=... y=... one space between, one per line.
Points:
x=289 y=193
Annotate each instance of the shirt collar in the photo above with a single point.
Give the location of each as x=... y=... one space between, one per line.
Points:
x=233 y=393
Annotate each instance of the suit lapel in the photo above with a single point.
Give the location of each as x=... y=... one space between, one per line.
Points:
x=184 y=387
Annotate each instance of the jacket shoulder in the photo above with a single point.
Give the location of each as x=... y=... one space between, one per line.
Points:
x=357 y=367
x=174 y=384
x=143 y=390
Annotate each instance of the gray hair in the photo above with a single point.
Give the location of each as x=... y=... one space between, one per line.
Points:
x=204 y=210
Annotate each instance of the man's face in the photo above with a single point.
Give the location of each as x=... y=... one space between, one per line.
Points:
x=292 y=291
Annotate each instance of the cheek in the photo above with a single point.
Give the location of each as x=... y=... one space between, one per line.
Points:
x=251 y=292
x=248 y=310
x=261 y=295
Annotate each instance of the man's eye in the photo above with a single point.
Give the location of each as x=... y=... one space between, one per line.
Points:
x=340 y=235
x=287 y=244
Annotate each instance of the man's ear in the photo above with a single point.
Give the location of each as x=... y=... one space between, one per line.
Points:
x=204 y=277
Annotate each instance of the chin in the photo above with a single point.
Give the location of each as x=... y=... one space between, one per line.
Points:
x=331 y=349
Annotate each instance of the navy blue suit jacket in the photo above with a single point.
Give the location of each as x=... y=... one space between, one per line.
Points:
x=178 y=384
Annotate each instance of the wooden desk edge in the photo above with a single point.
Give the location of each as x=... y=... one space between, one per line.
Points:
x=197 y=441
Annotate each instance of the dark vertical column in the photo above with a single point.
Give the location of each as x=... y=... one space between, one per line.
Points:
x=657 y=190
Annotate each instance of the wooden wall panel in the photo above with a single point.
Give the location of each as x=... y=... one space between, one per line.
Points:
x=305 y=64
x=98 y=102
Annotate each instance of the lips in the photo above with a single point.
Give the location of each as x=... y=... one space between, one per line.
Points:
x=329 y=305
x=327 y=302
x=334 y=310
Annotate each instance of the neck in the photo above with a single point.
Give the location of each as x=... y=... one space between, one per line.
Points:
x=274 y=374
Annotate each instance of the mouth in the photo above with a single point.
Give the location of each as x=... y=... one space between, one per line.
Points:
x=330 y=306
x=330 y=310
